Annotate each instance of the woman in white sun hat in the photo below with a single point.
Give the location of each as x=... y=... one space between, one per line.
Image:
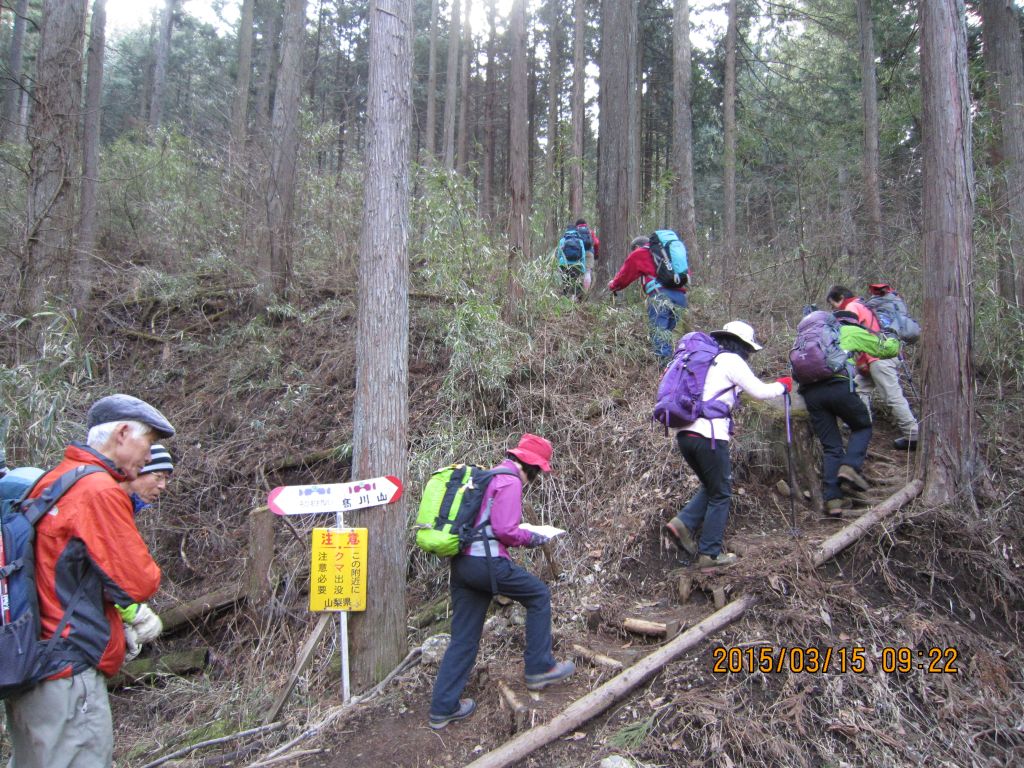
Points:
x=705 y=447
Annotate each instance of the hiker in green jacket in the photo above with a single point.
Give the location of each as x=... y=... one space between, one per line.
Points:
x=836 y=399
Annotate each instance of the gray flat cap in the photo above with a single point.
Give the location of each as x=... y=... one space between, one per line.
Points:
x=128 y=408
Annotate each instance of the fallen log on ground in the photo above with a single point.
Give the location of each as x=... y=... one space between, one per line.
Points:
x=150 y=669
x=186 y=613
x=653 y=628
x=594 y=657
x=601 y=698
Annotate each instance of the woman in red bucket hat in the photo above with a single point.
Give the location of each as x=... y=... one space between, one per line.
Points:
x=485 y=566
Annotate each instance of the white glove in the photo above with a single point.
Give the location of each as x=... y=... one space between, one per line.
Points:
x=131 y=642
x=147 y=625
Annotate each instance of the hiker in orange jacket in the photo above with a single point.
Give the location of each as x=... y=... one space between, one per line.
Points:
x=88 y=554
x=872 y=373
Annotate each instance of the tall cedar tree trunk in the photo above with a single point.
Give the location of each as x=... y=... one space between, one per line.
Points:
x=1001 y=37
x=551 y=225
x=490 y=104
x=870 y=258
x=950 y=451
x=730 y=256
x=431 y=127
x=616 y=178
x=163 y=53
x=578 y=115
x=284 y=130
x=682 y=124
x=451 y=87
x=45 y=261
x=519 y=182
x=461 y=153
x=10 y=120
x=81 y=279
x=381 y=411
x=270 y=16
x=240 y=106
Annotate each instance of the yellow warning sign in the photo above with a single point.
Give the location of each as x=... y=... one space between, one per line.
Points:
x=337 y=578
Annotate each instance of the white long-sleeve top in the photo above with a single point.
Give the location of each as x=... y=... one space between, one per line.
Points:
x=731 y=372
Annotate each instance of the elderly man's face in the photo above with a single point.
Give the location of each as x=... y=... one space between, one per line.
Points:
x=128 y=451
x=149 y=486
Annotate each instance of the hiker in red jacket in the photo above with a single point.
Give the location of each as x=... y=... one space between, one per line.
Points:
x=662 y=303
x=872 y=373
x=89 y=553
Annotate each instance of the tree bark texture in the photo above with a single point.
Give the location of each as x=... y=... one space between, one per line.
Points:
x=462 y=146
x=10 y=120
x=552 y=219
x=240 y=106
x=682 y=125
x=431 y=127
x=490 y=103
x=86 y=240
x=270 y=16
x=617 y=192
x=872 y=248
x=729 y=262
x=45 y=261
x=284 y=131
x=519 y=172
x=578 y=113
x=1003 y=60
x=381 y=417
x=949 y=443
x=163 y=53
x=451 y=86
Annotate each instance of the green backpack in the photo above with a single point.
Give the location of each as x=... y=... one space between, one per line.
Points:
x=449 y=507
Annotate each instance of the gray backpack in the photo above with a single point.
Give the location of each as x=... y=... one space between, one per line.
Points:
x=893 y=317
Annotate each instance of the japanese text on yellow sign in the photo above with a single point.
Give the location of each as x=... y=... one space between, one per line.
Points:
x=338 y=573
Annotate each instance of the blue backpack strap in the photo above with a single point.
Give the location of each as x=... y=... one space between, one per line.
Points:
x=34 y=509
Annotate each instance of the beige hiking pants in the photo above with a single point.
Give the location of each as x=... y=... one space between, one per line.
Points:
x=62 y=724
x=885 y=377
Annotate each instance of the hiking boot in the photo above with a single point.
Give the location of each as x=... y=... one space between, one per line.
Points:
x=466 y=708
x=835 y=507
x=723 y=560
x=681 y=536
x=852 y=476
x=905 y=443
x=556 y=674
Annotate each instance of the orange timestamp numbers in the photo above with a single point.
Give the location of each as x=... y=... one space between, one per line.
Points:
x=891 y=659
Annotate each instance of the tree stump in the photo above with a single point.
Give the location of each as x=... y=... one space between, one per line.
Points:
x=761 y=448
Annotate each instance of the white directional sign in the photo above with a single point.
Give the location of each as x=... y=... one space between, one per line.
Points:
x=334 y=497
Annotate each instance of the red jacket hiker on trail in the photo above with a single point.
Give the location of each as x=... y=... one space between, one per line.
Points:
x=94 y=533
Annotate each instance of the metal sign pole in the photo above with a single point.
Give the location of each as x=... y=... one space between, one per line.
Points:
x=346 y=693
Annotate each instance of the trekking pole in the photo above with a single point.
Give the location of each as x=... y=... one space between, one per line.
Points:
x=793 y=530
x=910 y=379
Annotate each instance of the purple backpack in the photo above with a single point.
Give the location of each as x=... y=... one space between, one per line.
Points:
x=816 y=354
x=681 y=391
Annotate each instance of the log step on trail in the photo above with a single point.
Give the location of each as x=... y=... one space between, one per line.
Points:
x=601 y=698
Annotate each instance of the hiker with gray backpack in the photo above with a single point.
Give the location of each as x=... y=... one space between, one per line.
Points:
x=482 y=568
x=697 y=395
x=882 y=375
x=823 y=369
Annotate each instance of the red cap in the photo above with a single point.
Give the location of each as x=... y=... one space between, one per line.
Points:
x=533 y=450
x=879 y=289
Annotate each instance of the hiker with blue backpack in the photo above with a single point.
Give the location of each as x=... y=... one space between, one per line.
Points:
x=659 y=264
x=89 y=560
x=882 y=375
x=483 y=569
x=697 y=394
x=823 y=369
x=576 y=251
